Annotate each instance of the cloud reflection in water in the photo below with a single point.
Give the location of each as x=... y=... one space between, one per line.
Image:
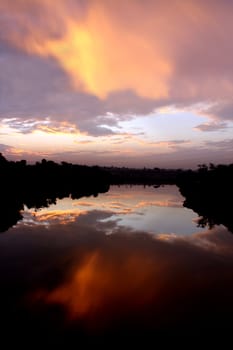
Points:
x=74 y=279
x=152 y=210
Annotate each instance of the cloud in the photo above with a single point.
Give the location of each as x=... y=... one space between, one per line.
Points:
x=105 y=50
x=213 y=126
x=34 y=90
x=173 y=144
x=83 y=60
x=27 y=126
x=173 y=156
x=84 y=67
x=221 y=110
x=14 y=153
x=81 y=49
x=188 y=157
x=225 y=145
x=4 y=148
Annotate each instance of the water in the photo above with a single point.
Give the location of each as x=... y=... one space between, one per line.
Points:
x=129 y=261
x=157 y=211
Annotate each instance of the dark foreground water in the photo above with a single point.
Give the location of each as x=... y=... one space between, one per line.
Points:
x=131 y=263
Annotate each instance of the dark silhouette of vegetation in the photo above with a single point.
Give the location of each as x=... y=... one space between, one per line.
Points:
x=143 y=176
x=207 y=190
x=41 y=184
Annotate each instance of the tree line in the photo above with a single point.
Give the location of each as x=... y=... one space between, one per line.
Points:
x=208 y=190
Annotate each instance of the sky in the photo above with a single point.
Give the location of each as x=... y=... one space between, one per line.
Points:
x=117 y=83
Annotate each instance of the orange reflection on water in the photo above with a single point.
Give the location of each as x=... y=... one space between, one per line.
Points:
x=160 y=203
x=138 y=281
x=107 y=287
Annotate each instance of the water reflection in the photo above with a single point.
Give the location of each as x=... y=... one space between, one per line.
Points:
x=65 y=278
x=75 y=280
x=38 y=196
x=145 y=281
x=158 y=211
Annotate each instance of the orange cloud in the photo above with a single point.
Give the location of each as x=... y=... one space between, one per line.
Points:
x=157 y=49
x=100 y=54
x=59 y=128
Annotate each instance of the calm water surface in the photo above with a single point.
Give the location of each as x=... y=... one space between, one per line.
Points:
x=155 y=211
x=130 y=260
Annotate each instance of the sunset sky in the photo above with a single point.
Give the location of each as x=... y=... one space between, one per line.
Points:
x=114 y=82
